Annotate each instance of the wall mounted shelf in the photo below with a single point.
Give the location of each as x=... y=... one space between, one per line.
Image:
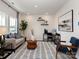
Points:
x=45 y=24
x=40 y=20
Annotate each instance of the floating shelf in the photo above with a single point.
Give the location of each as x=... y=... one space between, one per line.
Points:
x=45 y=24
x=40 y=20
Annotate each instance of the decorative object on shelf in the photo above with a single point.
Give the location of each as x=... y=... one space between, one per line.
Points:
x=65 y=22
x=45 y=23
x=40 y=19
x=23 y=26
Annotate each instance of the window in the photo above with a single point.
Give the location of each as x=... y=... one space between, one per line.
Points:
x=13 y=25
x=2 y=19
x=10 y=22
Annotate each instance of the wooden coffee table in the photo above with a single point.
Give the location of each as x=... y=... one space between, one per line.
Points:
x=31 y=44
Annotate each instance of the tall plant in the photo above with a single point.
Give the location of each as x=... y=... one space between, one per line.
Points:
x=23 y=26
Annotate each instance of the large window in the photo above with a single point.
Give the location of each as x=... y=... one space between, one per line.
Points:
x=13 y=25
x=10 y=22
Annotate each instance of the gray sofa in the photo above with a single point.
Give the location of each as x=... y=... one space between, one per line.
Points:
x=16 y=42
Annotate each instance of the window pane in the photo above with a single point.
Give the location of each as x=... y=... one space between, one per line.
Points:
x=12 y=30
x=13 y=25
x=12 y=21
x=2 y=19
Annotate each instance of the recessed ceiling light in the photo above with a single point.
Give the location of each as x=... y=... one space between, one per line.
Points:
x=35 y=6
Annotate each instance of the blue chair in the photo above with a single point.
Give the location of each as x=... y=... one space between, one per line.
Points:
x=74 y=41
x=73 y=48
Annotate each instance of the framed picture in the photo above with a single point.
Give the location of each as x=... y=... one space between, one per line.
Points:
x=65 y=22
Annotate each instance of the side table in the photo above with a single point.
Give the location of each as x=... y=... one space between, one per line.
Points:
x=31 y=44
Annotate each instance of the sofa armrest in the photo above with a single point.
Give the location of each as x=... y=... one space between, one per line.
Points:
x=11 y=40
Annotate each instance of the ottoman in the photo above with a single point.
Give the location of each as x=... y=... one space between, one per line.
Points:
x=31 y=44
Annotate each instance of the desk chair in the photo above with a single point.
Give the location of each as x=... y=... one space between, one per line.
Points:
x=47 y=35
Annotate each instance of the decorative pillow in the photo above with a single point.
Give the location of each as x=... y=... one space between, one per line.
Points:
x=17 y=36
x=11 y=35
x=7 y=36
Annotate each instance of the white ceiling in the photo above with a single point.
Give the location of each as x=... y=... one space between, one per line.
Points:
x=38 y=6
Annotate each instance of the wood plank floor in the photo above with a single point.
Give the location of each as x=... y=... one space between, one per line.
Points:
x=45 y=50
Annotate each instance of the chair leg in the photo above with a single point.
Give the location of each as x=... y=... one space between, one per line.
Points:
x=72 y=55
x=56 y=54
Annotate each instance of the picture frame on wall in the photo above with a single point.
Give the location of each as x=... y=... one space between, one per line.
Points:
x=65 y=22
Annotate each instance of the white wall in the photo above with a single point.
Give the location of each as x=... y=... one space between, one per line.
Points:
x=36 y=25
x=72 y=4
x=4 y=8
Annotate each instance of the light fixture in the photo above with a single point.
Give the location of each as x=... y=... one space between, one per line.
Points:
x=35 y=6
x=3 y=31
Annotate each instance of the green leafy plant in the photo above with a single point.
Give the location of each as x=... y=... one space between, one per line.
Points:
x=23 y=26
x=2 y=42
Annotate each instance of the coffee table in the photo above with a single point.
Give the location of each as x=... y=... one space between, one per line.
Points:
x=31 y=44
x=4 y=51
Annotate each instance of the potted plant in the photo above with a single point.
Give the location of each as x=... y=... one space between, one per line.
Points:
x=23 y=26
x=2 y=43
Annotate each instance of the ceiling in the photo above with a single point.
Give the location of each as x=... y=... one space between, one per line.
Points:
x=37 y=7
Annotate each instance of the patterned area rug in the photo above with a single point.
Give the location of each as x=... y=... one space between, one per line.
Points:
x=45 y=50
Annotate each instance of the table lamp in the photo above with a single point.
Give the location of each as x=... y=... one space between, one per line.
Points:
x=3 y=31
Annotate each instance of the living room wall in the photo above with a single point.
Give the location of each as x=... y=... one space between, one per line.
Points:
x=36 y=25
x=72 y=4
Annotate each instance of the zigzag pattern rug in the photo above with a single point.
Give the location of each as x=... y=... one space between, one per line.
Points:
x=45 y=50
